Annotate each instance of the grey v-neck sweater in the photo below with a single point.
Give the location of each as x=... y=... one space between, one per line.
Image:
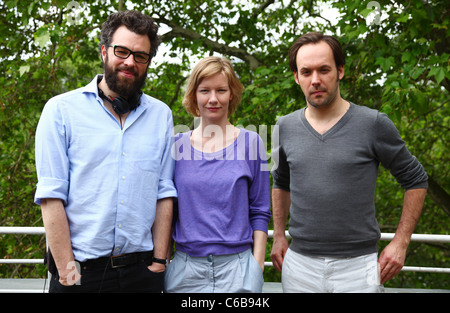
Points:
x=332 y=178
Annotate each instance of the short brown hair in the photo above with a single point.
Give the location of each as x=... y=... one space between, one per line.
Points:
x=315 y=37
x=136 y=22
x=208 y=67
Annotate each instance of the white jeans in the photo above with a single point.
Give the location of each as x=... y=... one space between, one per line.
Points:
x=302 y=273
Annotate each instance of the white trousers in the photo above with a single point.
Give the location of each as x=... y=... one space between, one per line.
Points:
x=302 y=273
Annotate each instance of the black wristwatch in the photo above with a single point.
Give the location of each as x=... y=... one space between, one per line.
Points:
x=161 y=261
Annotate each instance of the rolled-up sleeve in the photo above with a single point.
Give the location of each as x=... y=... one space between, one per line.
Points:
x=166 y=187
x=52 y=164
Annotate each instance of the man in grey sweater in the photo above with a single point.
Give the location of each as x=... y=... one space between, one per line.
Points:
x=325 y=172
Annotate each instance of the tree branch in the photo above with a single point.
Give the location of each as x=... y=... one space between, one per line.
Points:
x=439 y=195
x=177 y=91
x=262 y=7
x=178 y=31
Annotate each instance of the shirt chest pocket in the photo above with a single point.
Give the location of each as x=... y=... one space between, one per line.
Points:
x=148 y=155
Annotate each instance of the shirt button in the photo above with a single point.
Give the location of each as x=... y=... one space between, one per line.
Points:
x=120 y=225
x=121 y=202
x=123 y=177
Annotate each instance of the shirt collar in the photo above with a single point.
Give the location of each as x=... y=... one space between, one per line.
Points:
x=92 y=87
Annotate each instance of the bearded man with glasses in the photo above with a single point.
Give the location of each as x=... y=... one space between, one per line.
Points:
x=105 y=173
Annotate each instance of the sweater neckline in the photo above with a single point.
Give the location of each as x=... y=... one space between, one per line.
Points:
x=339 y=124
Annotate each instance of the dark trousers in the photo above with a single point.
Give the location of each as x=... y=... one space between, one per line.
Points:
x=100 y=276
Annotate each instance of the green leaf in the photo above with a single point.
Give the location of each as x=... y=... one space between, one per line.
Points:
x=385 y=63
x=24 y=69
x=403 y=18
x=42 y=37
x=407 y=56
x=366 y=12
x=416 y=72
x=438 y=73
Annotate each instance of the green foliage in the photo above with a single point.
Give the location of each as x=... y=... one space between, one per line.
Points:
x=398 y=64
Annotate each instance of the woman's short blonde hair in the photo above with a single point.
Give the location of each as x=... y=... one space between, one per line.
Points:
x=208 y=67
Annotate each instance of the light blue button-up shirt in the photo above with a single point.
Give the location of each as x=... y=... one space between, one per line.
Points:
x=109 y=178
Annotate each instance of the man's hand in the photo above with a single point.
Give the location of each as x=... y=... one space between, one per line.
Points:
x=281 y=202
x=70 y=275
x=393 y=256
x=157 y=267
x=391 y=261
x=279 y=248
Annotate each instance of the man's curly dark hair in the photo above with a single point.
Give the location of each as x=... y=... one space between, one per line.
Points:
x=136 y=22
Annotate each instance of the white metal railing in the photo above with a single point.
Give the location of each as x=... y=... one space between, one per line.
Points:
x=22 y=231
x=384 y=236
x=431 y=238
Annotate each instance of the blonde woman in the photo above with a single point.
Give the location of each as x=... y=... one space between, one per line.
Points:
x=221 y=175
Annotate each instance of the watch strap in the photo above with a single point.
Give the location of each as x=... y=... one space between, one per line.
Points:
x=161 y=261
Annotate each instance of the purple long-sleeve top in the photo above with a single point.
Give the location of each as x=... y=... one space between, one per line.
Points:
x=222 y=197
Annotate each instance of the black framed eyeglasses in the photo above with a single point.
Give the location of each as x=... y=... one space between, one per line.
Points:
x=124 y=53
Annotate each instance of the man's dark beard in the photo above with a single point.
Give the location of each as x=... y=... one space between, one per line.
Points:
x=121 y=86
